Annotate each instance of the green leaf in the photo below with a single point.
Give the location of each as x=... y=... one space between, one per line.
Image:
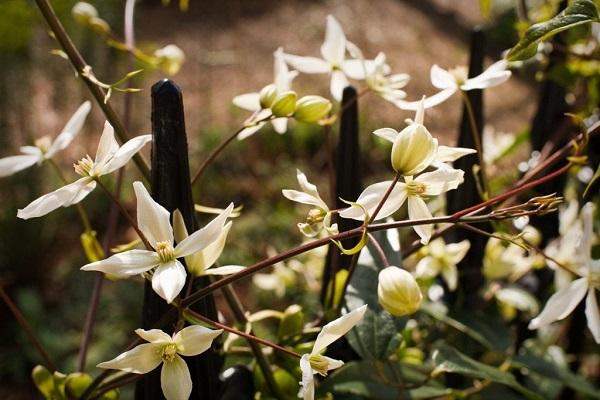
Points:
x=577 y=13
x=378 y=335
x=448 y=359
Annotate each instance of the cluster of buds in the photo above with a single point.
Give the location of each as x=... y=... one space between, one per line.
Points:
x=310 y=109
x=87 y=15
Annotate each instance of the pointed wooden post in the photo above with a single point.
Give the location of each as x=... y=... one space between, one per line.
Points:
x=171 y=188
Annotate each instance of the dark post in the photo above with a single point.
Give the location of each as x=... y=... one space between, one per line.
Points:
x=348 y=183
x=471 y=277
x=171 y=188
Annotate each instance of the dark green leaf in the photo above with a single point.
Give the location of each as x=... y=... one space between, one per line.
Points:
x=577 y=13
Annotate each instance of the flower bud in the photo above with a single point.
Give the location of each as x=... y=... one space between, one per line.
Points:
x=82 y=12
x=170 y=58
x=99 y=26
x=267 y=96
x=285 y=104
x=413 y=150
x=398 y=291
x=312 y=108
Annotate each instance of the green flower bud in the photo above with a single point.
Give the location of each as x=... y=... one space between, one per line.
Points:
x=284 y=105
x=170 y=58
x=312 y=108
x=83 y=12
x=99 y=26
x=413 y=150
x=267 y=96
x=398 y=291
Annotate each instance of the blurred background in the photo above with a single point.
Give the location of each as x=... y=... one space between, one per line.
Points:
x=228 y=46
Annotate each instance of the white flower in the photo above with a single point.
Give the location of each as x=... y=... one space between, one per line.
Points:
x=511 y=261
x=442 y=259
x=170 y=58
x=175 y=379
x=109 y=158
x=315 y=363
x=398 y=292
x=319 y=217
x=457 y=79
x=333 y=62
x=252 y=101
x=45 y=148
x=414 y=190
x=563 y=302
x=169 y=274
x=200 y=263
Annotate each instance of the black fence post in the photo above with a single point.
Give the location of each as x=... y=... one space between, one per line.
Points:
x=470 y=277
x=172 y=189
x=348 y=184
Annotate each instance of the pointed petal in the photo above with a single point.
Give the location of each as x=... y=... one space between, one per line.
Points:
x=493 y=76
x=139 y=360
x=450 y=154
x=417 y=209
x=561 y=303
x=441 y=180
x=592 y=313
x=338 y=84
x=51 y=201
x=249 y=131
x=429 y=102
x=128 y=263
x=200 y=262
x=371 y=197
x=179 y=228
x=106 y=147
x=31 y=151
x=283 y=76
x=195 y=339
x=334 y=46
x=205 y=236
x=70 y=130
x=224 y=270
x=280 y=125
x=388 y=134
x=428 y=267
x=83 y=192
x=301 y=197
x=13 y=164
x=175 y=380
x=332 y=363
x=338 y=328
x=307 y=391
x=152 y=218
x=450 y=275
x=442 y=79
x=154 y=336
x=457 y=251
x=307 y=65
x=248 y=101
x=126 y=152
x=168 y=280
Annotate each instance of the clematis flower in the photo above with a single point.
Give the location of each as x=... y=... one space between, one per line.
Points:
x=175 y=379
x=412 y=190
x=315 y=363
x=318 y=218
x=45 y=148
x=256 y=102
x=398 y=292
x=333 y=62
x=168 y=273
x=511 y=261
x=564 y=301
x=457 y=79
x=200 y=263
x=441 y=259
x=109 y=158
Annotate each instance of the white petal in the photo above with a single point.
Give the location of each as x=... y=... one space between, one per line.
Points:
x=338 y=328
x=139 y=360
x=442 y=79
x=561 y=303
x=283 y=76
x=429 y=102
x=333 y=363
x=195 y=339
x=126 y=152
x=168 y=280
x=205 y=236
x=175 y=380
x=338 y=83
x=356 y=69
x=417 y=209
x=249 y=131
x=455 y=252
x=280 y=125
x=107 y=146
x=70 y=130
x=307 y=391
x=592 y=313
x=388 y=134
x=32 y=151
x=154 y=336
x=152 y=218
x=493 y=76
x=304 y=198
x=248 y=101
x=370 y=198
x=450 y=275
x=200 y=262
x=450 y=154
x=14 y=164
x=60 y=197
x=334 y=46
x=128 y=263
x=224 y=270
x=441 y=180
x=179 y=228
x=308 y=65
x=428 y=267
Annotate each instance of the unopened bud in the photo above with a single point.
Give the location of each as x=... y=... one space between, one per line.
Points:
x=398 y=291
x=170 y=58
x=312 y=108
x=413 y=150
x=284 y=105
x=91 y=246
x=99 y=26
x=83 y=12
x=267 y=96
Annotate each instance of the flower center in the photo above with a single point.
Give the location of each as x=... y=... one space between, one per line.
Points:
x=169 y=352
x=594 y=277
x=165 y=252
x=460 y=74
x=84 y=166
x=43 y=143
x=319 y=363
x=315 y=215
x=415 y=188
